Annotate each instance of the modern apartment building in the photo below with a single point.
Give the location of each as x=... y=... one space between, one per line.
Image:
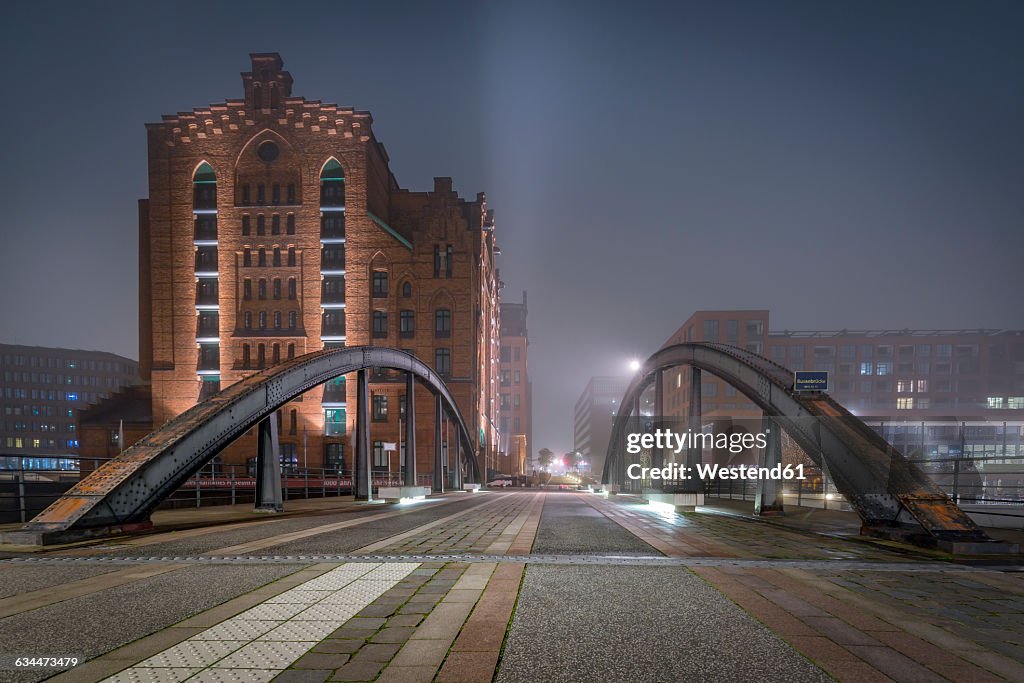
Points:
x=42 y=394
x=593 y=418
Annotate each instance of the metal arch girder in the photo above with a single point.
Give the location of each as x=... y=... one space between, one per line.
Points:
x=127 y=489
x=881 y=485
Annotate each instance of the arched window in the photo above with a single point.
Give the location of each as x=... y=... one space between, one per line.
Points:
x=246 y=356
x=380 y=283
x=291 y=256
x=204 y=187
x=261 y=354
x=407 y=290
x=261 y=224
x=291 y=351
x=277 y=288
x=292 y=293
x=248 y=320
x=275 y=224
x=262 y=257
x=247 y=289
x=263 y=322
x=293 y=322
x=277 y=256
x=262 y=292
x=290 y=229
x=247 y=257
x=332 y=184
x=277 y=320
x=277 y=354
x=245 y=225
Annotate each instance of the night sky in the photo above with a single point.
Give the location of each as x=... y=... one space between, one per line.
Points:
x=845 y=165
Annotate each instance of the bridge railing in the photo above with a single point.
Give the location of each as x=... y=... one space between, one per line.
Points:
x=29 y=485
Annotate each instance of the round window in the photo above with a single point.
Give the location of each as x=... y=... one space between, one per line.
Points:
x=268 y=151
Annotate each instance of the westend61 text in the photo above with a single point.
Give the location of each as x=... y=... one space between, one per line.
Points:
x=676 y=471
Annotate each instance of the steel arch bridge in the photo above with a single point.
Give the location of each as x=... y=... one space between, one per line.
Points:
x=883 y=487
x=125 y=491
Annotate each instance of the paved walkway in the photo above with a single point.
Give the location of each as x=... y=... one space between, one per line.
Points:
x=504 y=586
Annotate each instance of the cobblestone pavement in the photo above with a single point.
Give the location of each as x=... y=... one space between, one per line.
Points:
x=510 y=586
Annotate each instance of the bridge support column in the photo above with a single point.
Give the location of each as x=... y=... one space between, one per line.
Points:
x=768 y=498
x=438 y=450
x=658 y=455
x=694 y=453
x=363 y=481
x=268 y=466
x=410 y=429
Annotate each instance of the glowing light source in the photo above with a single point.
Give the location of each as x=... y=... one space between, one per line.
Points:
x=660 y=507
x=634 y=365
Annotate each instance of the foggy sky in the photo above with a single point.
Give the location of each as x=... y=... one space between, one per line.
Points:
x=854 y=165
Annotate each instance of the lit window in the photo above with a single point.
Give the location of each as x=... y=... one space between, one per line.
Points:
x=904 y=403
x=883 y=369
x=380 y=408
x=905 y=386
x=922 y=386
x=1015 y=402
x=866 y=368
x=995 y=401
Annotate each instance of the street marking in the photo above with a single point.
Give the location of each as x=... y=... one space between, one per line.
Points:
x=262 y=641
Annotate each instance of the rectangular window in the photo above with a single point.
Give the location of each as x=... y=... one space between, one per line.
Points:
x=380 y=408
x=448 y=262
x=443 y=361
x=711 y=330
x=380 y=284
x=406 y=322
x=904 y=403
x=443 y=322
x=922 y=386
x=437 y=260
x=883 y=369
x=732 y=331
x=380 y=456
x=380 y=325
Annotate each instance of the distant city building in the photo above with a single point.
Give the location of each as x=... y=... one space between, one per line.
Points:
x=274 y=227
x=594 y=414
x=43 y=392
x=905 y=374
x=951 y=400
x=515 y=392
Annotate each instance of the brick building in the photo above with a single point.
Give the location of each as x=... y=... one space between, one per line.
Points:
x=43 y=392
x=273 y=228
x=515 y=392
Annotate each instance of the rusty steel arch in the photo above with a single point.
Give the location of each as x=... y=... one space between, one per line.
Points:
x=127 y=489
x=884 y=488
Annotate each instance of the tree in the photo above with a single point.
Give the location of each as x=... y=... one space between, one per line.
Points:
x=545 y=457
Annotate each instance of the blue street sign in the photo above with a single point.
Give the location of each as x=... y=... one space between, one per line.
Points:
x=810 y=380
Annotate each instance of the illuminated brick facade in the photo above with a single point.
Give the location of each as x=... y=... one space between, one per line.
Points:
x=274 y=227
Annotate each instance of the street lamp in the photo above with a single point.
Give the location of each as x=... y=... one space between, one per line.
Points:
x=634 y=365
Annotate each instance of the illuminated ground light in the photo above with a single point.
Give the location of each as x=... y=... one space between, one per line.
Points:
x=660 y=507
x=414 y=499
